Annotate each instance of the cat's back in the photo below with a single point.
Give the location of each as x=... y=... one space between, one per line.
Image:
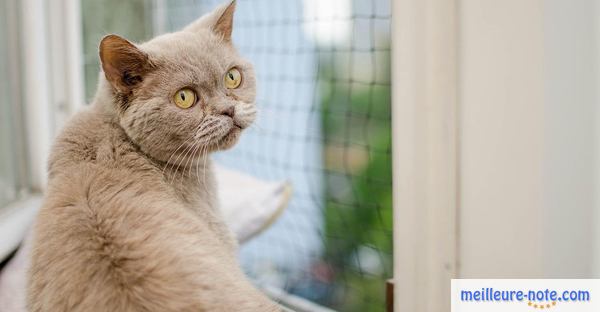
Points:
x=101 y=239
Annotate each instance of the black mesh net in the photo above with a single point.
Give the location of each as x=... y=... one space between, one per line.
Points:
x=323 y=73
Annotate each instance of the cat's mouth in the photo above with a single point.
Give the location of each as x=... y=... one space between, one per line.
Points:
x=230 y=138
x=235 y=130
x=226 y=135
x=235 y=126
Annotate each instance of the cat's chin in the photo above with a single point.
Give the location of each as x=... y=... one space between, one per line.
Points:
x=230 y=139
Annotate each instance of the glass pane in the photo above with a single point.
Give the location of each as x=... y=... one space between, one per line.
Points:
x=8 y=148
x=125 y=18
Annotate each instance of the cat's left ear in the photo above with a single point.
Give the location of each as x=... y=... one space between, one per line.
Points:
x=124 y=65
x=220 y=21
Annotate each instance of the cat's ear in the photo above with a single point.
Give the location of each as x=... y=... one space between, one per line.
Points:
x=123 y=63
x=220 y=21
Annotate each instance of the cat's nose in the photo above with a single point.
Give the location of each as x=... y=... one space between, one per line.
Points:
x=229 y=111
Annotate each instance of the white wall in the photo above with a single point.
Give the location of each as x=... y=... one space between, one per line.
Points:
x=527 y=117
x=596 y=219
x=496 y=103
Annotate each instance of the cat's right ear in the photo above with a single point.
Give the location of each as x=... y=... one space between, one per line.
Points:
x=220 y=21
x=124 y=65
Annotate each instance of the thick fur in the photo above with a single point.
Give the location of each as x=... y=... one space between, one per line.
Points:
x=130 y=220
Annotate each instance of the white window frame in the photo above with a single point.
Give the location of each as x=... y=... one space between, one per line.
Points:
x=16 y=216
x=57 y=91
x=425 y=152
x=52 y=67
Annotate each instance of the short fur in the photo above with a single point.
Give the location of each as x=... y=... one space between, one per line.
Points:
x=130 y=220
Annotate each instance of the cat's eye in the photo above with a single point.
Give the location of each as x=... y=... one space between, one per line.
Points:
x=185 y=98
x=233 y=78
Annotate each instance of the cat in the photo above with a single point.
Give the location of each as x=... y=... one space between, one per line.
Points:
x=130 y=220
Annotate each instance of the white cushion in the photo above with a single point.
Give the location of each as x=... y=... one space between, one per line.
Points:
x=250 y=205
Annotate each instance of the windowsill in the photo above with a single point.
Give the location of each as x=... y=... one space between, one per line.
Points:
x=292 y=302
x=15 y=220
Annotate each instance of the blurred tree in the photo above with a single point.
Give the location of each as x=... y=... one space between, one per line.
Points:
x=358 y=213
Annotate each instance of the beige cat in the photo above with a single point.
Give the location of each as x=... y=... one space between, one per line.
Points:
x=130 y=221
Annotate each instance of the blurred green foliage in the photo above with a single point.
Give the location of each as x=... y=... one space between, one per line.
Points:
x=356 y=122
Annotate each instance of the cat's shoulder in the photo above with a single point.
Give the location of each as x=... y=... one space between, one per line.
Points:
x=90 y=137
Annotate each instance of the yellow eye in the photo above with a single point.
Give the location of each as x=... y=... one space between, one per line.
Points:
x=185 y=98
x=233 y=78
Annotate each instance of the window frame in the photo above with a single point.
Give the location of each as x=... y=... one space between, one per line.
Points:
x=14 y=84
x=47 y=60
x=425 y=149
x=18 y=214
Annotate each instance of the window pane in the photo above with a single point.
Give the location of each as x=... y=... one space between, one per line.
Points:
x=8 y=141
x=129 y=19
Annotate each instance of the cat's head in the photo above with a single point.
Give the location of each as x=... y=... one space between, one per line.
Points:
x=182 y=94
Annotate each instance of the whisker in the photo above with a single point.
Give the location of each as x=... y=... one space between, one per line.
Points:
x=193 y=157
x=173 y=154
x=209 y=131
x=186 y=151
x=168 y=162
x=179 y=147
x=204 y=169
x=257 y=127
x=211 y=123
x=177 y=164
x=205 y=156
